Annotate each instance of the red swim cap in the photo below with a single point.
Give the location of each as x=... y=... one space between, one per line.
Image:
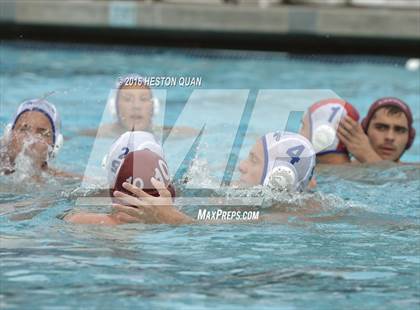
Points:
x=138 y=168
x=392 y=102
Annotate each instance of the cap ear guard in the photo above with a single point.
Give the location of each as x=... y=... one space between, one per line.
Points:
x=112 y=103
x=57 y=146
x=323 y=137
x=156 y=106
x=283 y=176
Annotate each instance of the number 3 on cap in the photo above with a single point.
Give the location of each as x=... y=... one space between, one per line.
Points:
x=294 y=153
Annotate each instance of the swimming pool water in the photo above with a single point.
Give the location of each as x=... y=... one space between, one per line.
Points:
x=361 y=251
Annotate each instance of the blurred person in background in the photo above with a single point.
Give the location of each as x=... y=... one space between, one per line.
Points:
x=384 y=135
x=132 y=106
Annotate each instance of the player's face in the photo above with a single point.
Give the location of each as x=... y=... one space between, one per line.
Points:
x=388 y=134
x=33 y=134
x=251 y=168
x=135 y=108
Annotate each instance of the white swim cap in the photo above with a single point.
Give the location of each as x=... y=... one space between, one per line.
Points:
x=126 y=143
x=49 y=110
x=131 y=79
x=324 y=118
x=289 y=161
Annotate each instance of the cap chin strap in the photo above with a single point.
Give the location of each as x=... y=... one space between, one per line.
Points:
x=156 y=106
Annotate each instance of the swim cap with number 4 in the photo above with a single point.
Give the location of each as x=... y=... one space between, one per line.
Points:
x=289 y=161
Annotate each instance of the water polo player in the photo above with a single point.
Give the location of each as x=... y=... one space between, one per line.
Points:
x=35 y=133
x=320 y=124
x=384 y=134
x=135 y=158
x=282 y=161
x=131 y=105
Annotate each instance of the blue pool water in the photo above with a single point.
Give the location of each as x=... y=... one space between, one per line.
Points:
x=361 y=251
